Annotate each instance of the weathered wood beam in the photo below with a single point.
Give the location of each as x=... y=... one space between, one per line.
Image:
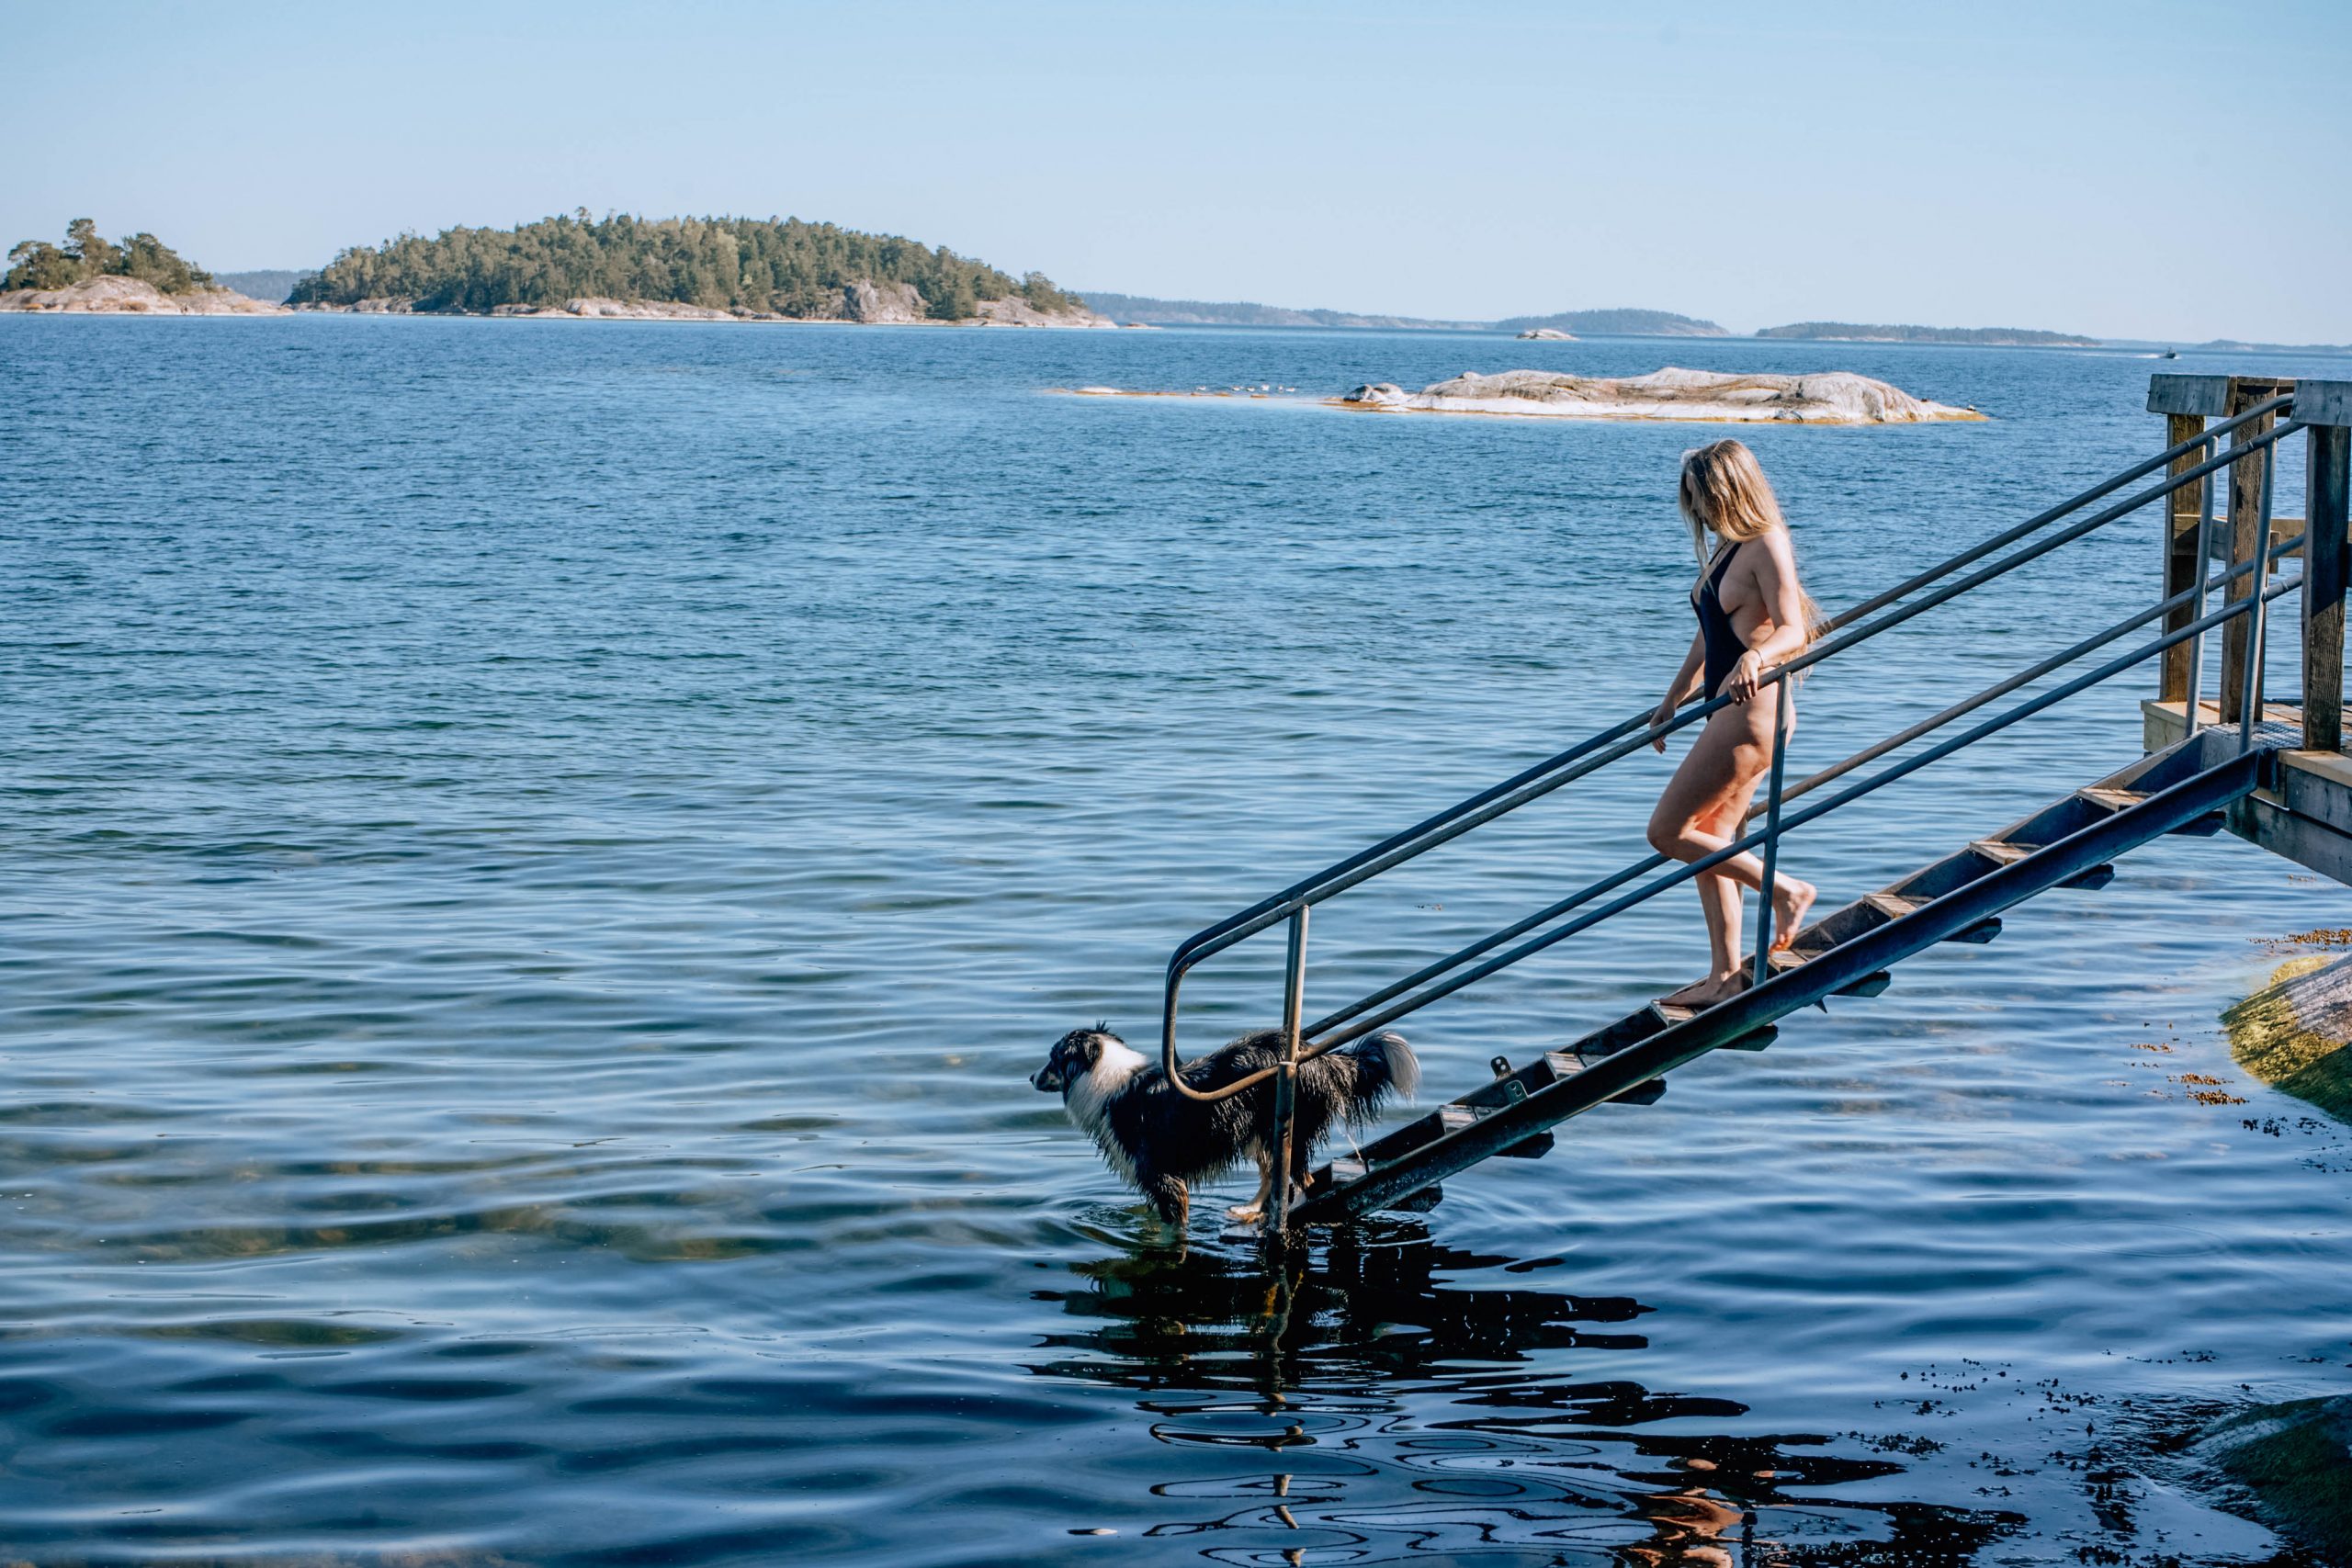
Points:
x=2324 y=403
x=2325 y=552
x=2206 y=397
x=2246 y=478
x=2183 y=560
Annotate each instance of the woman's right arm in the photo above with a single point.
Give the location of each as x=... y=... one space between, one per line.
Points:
x=1686 y=681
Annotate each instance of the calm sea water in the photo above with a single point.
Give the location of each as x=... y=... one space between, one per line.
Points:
x=537 y=858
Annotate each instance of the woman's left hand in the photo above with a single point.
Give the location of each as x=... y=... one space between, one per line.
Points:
x=1741 y=684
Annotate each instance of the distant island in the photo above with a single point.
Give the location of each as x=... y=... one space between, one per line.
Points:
x=1242 y=314
x=712 y=268
x=270 y=285
x=1990 y=337
x=91 y=275
x=1616 y=323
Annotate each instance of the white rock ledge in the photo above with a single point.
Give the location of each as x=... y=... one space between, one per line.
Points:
x=133 y=296
x=1836 y=397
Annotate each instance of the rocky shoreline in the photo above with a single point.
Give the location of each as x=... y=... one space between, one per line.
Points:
x=863 y=303
x=133 y=296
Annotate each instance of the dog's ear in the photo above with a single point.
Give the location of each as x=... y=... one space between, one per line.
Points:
x=1088 y=1049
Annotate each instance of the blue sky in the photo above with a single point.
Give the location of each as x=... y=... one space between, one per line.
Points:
x=2094 y=167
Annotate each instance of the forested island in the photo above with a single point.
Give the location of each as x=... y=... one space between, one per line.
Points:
x=743 y=268
x=90 y=275
x=1244 y=313
x=1988 y=337
x=86 y=255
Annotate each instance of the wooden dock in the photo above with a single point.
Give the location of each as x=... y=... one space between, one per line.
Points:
x=2303 y=808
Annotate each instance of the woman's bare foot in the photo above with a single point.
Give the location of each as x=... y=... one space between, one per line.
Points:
x=1792 y=900
x=1714 y=989
x=1248 y=1214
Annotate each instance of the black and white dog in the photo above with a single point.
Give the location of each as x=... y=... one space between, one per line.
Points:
x=1164 y=1143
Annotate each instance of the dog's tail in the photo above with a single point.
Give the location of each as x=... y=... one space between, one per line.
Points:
x=1359 y=1076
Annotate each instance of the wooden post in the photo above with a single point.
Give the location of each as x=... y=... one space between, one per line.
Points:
x=2325 y=550
x=2183 y=553
x=2186 y=402
x=2246 y=478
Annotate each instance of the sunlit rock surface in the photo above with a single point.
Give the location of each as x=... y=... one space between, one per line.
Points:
x=2296 y=1033
x=1836 y=397
x=2295 y=1465
x=133 y=297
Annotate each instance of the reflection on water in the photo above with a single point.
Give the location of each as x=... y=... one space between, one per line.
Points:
x=1384 y=1386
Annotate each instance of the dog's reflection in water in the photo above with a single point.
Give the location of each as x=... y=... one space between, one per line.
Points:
x=1410 y=1398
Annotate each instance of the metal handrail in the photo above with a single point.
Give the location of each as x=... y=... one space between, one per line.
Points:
x=1620 y=739
x=1961 y=709
x=1345 y=874
x=1707 y=862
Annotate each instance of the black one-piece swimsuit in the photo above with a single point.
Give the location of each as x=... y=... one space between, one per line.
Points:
x=1724 y=647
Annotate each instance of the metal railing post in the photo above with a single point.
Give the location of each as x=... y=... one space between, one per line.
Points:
x=2257 y=616
x=1772 y=837
x=1286 y=1082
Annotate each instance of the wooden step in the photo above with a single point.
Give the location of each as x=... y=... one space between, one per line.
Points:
x=2110 y=799
x=1567 y=1065
x=1633 y=1028
x=1456 y=1116
x=2088 y=881
x=1897 y=905
x=1348 y=1172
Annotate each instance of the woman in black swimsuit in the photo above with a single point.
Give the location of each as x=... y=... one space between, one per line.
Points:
x=1753 y=614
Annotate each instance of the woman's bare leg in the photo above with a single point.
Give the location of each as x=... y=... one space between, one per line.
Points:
x=1700 y=813
x=1719 y=901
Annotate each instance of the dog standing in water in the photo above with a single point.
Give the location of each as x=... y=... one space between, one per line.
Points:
x=1165 y=1143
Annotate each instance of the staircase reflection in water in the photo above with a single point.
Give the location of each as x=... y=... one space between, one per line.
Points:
x=1400 y=1401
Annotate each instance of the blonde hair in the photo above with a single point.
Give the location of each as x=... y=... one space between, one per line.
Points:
x=1724 y=492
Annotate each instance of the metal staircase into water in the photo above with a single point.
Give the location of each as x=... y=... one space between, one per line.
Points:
x=2069 y=844
x=1851 y=951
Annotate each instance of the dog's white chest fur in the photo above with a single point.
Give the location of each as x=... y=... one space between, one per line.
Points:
x=1088 y=1099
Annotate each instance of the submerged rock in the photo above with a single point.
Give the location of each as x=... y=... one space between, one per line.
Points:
x=133 y=297
x=2296 y=1033
x=2294 y=1463
x=1836 y=397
